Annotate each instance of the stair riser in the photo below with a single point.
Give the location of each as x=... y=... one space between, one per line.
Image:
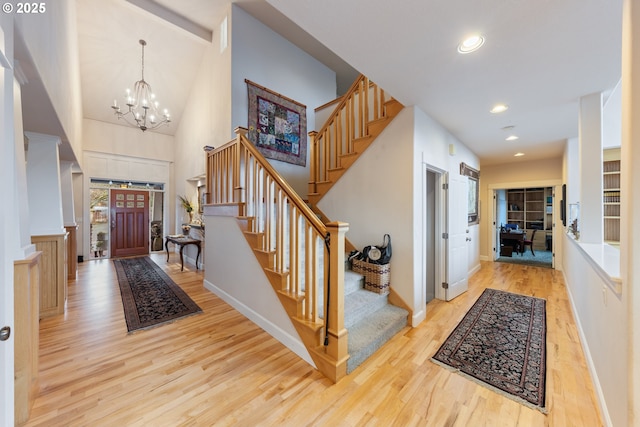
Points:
x=354 y=315
x=352 y=283
x=356 y=358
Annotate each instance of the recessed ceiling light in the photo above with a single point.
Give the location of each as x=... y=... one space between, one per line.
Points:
x=499 y=108
x=511 y=138
x=471 y=44
x=518 y=154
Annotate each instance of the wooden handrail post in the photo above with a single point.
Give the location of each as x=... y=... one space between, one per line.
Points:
x=239 y=168
x=313 y=156
x=241 y=131
x=338 y=335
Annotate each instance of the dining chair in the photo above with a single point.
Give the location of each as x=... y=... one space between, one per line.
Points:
x=529 y=242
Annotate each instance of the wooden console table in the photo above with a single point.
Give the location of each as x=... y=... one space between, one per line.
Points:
x=182 y=241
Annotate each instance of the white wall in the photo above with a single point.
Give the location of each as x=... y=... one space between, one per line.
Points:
x=601 y=313
x=612 y=118
x=67 y=189
x=45 y=187
x=383 y=192
x=433 y=146
x=113 y=139
x=218 y=101
x=374 y=196
x=264 y=57
x=245 y=286
x=601 y=318
x=52 y=40
x=572 y=177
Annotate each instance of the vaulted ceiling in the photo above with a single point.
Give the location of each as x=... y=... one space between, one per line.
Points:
x=539 y=57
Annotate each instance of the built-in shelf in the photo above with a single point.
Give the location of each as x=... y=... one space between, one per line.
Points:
x=531 y=209
x=611 y=195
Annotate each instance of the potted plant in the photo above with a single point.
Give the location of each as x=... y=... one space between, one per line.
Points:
x=101 y=244
x=186 y=204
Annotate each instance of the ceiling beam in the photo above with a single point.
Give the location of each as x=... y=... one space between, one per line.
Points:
x=174 y=18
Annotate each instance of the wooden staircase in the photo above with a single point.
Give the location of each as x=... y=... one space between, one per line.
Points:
x=290 y=243
x=303 y=257
x=363 y=113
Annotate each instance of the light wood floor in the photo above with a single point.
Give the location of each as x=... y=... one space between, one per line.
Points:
x=217 y=368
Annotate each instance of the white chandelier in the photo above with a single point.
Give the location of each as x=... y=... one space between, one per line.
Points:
x=142 y=107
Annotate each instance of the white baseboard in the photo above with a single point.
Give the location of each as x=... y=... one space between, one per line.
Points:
x=292 y=343
x=474 y=270
x=587 y=355
x=418 y=317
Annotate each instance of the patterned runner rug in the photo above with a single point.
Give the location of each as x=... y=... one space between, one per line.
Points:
x=149 y=296
x=501 y=344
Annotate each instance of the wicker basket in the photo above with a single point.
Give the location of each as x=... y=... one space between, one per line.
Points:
x=376 y=276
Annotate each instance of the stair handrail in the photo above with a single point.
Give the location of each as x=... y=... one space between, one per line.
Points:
x=356 y=109
x=291 y=193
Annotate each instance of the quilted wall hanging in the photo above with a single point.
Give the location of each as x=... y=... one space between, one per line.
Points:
x=277 y=125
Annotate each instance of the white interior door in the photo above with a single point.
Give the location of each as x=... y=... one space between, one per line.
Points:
x=457 y=266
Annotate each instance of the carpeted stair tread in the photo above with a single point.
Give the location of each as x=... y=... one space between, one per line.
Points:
x=371 y=332
x=352 y=282
x=361 y=304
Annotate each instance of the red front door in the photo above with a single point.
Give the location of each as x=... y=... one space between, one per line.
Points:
x=129 y=222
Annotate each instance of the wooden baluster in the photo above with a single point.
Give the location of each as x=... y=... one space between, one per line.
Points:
x=280 y=227
x=293 y=253
x=351 y=108
x=346 y=115
x=257 y=212
x=267 y=211
x=209 y=176
x=327 y=153
x=225 y=175
x=308 y=300
x=361 y=116
x=314 y=285
x=376 y=104
x=340 y=139
x=366 y=107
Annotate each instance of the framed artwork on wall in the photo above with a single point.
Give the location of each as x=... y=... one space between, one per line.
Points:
x=277 y=125
x=473 y=210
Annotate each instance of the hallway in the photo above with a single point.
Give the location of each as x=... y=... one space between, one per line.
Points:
x=218 y=368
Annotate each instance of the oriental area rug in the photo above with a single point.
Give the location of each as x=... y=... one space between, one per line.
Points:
x=501 y=344
x=149 y=296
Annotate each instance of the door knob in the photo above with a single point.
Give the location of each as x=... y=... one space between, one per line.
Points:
x=5 y=333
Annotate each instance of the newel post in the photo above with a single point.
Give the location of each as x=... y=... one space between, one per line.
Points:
x=239 y=168
x=338 y=335
x=313 y=156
